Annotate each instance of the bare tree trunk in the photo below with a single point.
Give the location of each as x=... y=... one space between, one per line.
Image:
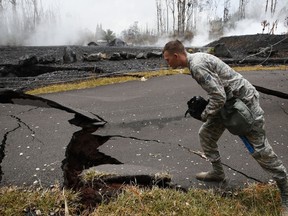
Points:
x=161 y=23
x=242 y=7
x=159 y=16
x=15 y=15
x=35 y=13
x=183 y=21
x=167 y=16
x=195 y=13
x=179 y=16
x=226 y=11
x=189 y=14
x=181 y=7
x=163 y=26
x=172 y=8
x=274 y=7
x=1 y=17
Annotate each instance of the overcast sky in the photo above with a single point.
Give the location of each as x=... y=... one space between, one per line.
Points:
x=112 y=14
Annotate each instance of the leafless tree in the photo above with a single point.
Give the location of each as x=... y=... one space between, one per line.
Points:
x=36 y=15
x=15 y=19
x=265 y=24
x=159 y=16
x=274 y=27
x=273 y=5
x=189 y=14
x=167 y=15
x=242 y=9
x=181 y=9
x=226 y=11
x=1 y=15
x=195 y=7
x=212 y=6
x=172 y=6
x=22 y=17
x=266 y=7
x=286 y=23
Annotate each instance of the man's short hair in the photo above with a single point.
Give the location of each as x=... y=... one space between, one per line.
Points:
x=174 y=47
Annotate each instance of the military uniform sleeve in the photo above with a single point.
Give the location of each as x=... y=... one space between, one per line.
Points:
x=211 y=83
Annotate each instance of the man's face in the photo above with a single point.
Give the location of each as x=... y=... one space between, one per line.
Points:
x=173 y=59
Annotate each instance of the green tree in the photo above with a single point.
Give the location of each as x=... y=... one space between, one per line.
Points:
x=108 y=35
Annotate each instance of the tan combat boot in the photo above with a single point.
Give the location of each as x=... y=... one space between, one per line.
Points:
x=283 y=187
x=217 y=174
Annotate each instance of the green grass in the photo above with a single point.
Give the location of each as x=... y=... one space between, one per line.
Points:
x=255 y=200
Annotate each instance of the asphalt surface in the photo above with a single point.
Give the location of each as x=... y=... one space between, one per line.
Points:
x=34 y=139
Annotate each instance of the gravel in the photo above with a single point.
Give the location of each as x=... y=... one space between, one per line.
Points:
x=21 y=77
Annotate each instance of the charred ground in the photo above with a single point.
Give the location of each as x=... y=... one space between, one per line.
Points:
x=29 y=67
x=249 y=45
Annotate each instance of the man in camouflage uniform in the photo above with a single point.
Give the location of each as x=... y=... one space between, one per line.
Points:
x=222 y=83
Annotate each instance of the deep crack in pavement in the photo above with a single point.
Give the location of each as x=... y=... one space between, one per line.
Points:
x=83 y=152
x=92 y=158
x=3 y=145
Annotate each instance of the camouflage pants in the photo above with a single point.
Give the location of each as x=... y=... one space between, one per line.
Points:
x=212 y=129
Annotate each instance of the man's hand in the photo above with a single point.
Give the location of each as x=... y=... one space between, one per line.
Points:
x=196 y=106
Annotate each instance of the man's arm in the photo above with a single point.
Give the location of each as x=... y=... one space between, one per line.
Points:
x=212 y=84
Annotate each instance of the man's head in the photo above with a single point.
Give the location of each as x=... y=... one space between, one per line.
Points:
x=175 y=55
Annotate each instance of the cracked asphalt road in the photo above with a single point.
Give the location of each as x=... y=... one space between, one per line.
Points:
x=34 y=139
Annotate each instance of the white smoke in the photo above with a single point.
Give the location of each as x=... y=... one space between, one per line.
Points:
x=254 y=15
x=201 y=37
x=63 y=32
x=67 y=24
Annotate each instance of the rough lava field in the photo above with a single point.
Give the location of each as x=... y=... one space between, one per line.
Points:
x=24 y=68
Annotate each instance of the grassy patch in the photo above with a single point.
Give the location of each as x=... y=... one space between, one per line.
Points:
x=22 y=201
x=91 y=175
x=260 y=68
x=255 y=200
x=94 y=82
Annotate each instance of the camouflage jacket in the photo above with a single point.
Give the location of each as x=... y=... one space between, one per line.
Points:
x=219 y=80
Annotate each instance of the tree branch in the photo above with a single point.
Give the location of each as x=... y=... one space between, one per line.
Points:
x=263 y=51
